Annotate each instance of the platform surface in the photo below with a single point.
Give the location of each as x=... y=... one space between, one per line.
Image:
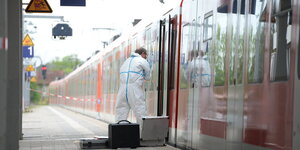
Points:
x=55 y=128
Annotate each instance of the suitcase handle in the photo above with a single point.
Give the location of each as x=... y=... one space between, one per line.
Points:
x=124 y=121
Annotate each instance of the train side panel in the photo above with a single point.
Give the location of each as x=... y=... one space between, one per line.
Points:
x=251 y=100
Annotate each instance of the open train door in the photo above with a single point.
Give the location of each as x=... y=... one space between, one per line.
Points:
x=166 y=75
x=167 y=47
x=161 y=67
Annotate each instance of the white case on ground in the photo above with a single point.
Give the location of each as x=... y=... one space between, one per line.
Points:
x=154 y=131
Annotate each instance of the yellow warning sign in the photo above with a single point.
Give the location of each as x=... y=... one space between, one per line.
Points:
x=27 y=41
x=33 y=79
x=39 y=6
x=29 y=68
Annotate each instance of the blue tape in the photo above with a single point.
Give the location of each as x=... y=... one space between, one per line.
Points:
x=128 y=79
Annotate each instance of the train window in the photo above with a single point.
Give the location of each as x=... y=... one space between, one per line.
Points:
x=237 y=42
x=220 y=49
x=153 y=58
x=147 y=46
x=184 y=57
x=105 y=77
x=208 y=27
x=256 y=43
x=195 y=62
x=281 y=24
x=173 y=51
x=111 y=77
x=134 y=44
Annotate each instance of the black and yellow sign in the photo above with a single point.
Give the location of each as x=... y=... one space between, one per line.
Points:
x=38 y=6
x=27 y=41
x=29 y=68
x=33 y=79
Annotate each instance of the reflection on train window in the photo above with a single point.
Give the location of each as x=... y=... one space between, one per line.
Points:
x=220 y=49
x=153 y=57
x=184 y=57
x=193 y=64
x=237 y=43
x=117 y=68
x=133 y=44
x=281 y=24
x=147 y=46
x=256 y=43
x=172 y=52
x=208 y=27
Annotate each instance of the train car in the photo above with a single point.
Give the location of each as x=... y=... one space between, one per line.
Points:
x=248 y=97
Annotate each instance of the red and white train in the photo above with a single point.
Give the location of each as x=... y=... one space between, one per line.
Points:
x=253 y=50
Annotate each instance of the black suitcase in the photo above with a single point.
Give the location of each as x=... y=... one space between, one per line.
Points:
x=94 y=143
x=124 y=134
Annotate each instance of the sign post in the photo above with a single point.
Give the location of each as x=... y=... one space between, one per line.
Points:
x=38 y=6
x=28 y=49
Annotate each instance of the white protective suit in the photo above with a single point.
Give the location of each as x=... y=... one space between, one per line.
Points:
x=131 y=93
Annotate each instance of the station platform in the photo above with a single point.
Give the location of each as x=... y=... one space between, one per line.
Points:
x=55 y=128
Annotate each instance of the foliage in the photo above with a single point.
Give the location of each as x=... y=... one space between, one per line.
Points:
x=35 y=96
x=66 y=64
x=256 y=53
x=219 y=57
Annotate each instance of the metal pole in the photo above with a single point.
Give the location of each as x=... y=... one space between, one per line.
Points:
x=3 y=74
x=14 y=74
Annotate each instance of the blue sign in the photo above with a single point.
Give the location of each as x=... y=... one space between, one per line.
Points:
x=72 y=2
x=28 y=51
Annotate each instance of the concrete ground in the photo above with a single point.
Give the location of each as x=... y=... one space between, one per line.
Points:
x=55 y=128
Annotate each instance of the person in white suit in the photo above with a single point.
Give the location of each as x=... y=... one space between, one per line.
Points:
x=131 y=95
x=199 y=69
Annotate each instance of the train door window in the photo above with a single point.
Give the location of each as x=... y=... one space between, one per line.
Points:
x=114 y=72
x=147 y=46
x=118 y=66
x=153 y=57
x=195 y=61
x=111 y=75
x=208 y=27
x=234 y=43
x=184 y=56
x=281 y=26
x=205 y=49
x=96 y=78
x=133 y=45
x=240 y=43
x=256 y=43
x=220 y=49
x=105 y=77
x=93 y=81
x=173 y=51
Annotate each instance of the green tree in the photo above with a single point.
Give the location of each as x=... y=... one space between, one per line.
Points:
x=34 y=95
x=66 y=64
